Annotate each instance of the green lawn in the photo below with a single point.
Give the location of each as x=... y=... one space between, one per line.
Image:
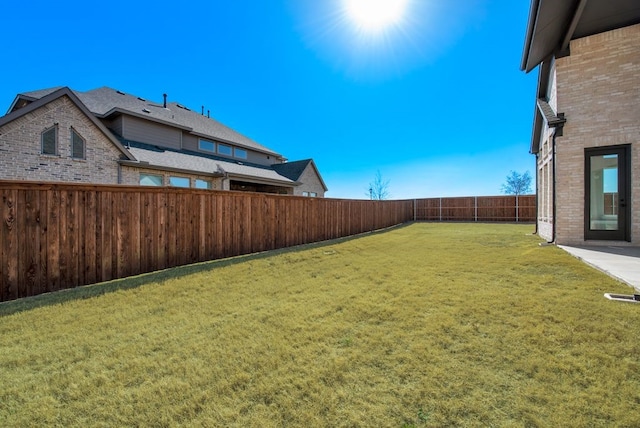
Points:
x=427 y=325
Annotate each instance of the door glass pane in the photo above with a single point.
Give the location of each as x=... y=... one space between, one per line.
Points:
x=604 y=192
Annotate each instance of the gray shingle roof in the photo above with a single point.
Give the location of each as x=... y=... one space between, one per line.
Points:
x=198 y=162
x=41 y=92
x=105 y=101
x=292 y=170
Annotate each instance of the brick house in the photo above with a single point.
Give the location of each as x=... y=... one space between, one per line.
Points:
x=105 y=136
x=586 y=130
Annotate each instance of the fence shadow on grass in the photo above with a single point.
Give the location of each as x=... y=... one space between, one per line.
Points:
x=95 y=290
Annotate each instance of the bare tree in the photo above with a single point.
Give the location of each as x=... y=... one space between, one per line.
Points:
x=517 y=184
x=379 y=188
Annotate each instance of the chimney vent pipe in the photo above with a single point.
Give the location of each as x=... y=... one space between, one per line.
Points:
x=165 y=100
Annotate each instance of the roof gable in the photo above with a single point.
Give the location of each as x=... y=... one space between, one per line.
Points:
x=294 y=170
x=54 y=95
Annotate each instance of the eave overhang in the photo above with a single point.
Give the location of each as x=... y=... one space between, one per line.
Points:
x=147 y=165
x=553 y=24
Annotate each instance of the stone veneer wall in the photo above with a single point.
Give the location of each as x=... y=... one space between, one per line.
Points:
x=20 y=147
x=598 y=89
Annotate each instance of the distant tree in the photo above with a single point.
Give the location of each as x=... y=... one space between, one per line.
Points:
x=517 y=184
x=379 y=188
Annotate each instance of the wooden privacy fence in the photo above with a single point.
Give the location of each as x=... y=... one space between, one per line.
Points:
x=477 y=208
x=56 y=236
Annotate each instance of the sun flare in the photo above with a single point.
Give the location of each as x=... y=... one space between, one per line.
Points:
x=375 y=15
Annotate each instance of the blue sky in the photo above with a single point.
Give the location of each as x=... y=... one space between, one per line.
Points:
x=437 y=103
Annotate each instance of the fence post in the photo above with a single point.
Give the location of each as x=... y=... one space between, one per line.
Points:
x=475 y=208
x=440 y=209
x=414 y=210
x=517 y=209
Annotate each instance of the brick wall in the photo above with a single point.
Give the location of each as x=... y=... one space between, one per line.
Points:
x=131 y=176
x=310 y=183
x=598 y=89
x=20 y=147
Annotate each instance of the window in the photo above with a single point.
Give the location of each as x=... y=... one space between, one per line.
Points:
x=223 y=149
x=207 y=146
x=203 y=184
x=310 y=194
x=305 y=193
x=150 y=180
x=49 y=140
x=77 y=145
x=239 y=153
x=179 y=182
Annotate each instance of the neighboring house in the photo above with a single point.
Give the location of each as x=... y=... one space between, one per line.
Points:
x=108 y=137
x=586 y=131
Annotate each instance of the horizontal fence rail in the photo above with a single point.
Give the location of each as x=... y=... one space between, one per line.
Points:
x=520 y=208
x=56 y=236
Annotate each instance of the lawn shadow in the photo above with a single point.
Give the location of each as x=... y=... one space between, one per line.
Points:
x=128 y=283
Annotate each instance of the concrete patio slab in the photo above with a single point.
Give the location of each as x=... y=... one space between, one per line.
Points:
x=622 y=263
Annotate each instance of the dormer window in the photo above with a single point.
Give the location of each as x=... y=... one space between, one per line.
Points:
x=224 y=149
x=207 y=146
x=239 y=153
x=77 y=145
x=49 y=141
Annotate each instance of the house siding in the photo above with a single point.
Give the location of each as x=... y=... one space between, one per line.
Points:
x=598 y=89
x=190 y=142
x=20 y=147
x=144 y=131
x=114 y=125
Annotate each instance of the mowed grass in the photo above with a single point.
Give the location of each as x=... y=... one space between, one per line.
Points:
x=428 y=325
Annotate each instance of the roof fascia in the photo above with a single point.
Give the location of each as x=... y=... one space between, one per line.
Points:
x=18 y=98
x=147 y=165
x=253 y=179
x=69 y=93
x=315 y=168
x=534 y=9
x=544 y=73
